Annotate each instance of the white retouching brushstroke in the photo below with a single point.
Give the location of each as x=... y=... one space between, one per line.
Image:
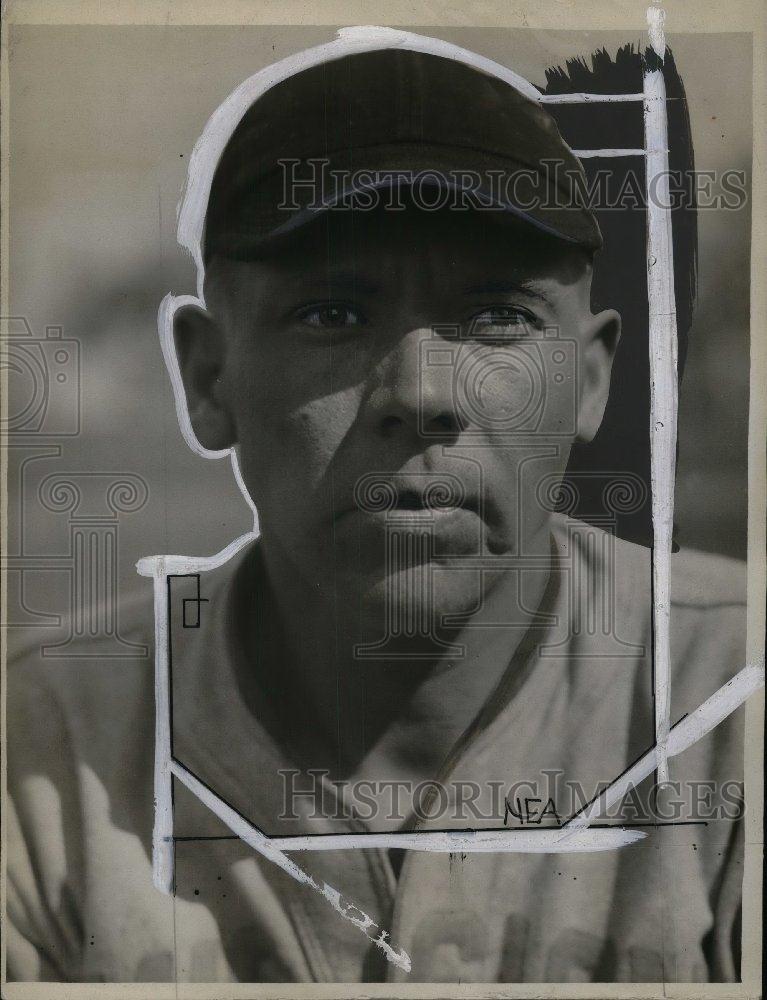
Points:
x=656 y=19
x=162 y=832
x=165 y=317
x=538 y=841
x=180 y=565
x=587 y=153
x=589 y=98
x=663 y=380
x=266 y=847
x=684 y=734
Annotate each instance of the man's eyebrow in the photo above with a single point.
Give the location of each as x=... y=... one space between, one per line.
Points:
x=504 y=288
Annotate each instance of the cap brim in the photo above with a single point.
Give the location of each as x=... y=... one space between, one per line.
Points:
x=348 y=193
x=360 y=173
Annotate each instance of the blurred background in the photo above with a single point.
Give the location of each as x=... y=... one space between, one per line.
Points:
x=102 y=122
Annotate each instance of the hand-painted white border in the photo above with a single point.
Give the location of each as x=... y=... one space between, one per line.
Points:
x=663 y=379
x=577 y=835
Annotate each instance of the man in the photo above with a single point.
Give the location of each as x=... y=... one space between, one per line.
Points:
x=401 y=358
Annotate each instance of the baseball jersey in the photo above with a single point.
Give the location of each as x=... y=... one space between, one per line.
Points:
x=574 y=710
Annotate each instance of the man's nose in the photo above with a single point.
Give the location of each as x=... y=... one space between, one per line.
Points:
x=414 y=389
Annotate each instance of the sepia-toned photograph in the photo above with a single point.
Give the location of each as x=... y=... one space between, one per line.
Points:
x=383 y=557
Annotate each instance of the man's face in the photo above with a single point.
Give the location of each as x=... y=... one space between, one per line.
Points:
x=399 y=386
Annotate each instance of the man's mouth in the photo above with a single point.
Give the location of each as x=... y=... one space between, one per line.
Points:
x=431 y=502
x=420 y=496
x=434 y=515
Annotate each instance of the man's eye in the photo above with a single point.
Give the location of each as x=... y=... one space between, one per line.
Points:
x=501 y=323
x=330 y=316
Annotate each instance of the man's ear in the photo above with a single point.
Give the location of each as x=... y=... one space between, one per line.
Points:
x=201 y=351
x=598 y=346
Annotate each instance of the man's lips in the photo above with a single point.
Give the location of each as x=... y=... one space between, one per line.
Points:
x=416 y=496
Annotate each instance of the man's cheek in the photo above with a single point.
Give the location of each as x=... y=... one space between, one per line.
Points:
x=319 y=427
x=290 y=453
x=520 y=390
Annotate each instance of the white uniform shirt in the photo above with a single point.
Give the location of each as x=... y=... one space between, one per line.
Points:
x=82 y=907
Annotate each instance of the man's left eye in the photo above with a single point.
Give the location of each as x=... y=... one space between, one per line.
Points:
x=330 y=316
x=500 y=321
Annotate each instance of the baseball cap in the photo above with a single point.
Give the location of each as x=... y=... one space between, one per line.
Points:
x=333 y=135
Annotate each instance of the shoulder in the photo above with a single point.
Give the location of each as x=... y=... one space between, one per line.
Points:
x=70 y=702
x=697 y=578
x=707 y=602
x=708 y=619
x=702 y=580
x=80 y=700
x=699 y=581
x=79 y=754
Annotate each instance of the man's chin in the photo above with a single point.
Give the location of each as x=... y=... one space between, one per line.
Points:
x=414 y=602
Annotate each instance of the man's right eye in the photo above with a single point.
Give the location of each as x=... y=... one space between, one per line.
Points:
x=330 y=316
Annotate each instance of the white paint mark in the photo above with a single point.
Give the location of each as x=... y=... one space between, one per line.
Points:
x=162 y=833
x=663 y=380
x=266 y=847
x=589 y=98
x=541 y=840
x=585 y=153
x=148 y=566
x=656 y=19
x=168 y=307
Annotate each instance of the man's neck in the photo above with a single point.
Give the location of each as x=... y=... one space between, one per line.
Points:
x=335 y=711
